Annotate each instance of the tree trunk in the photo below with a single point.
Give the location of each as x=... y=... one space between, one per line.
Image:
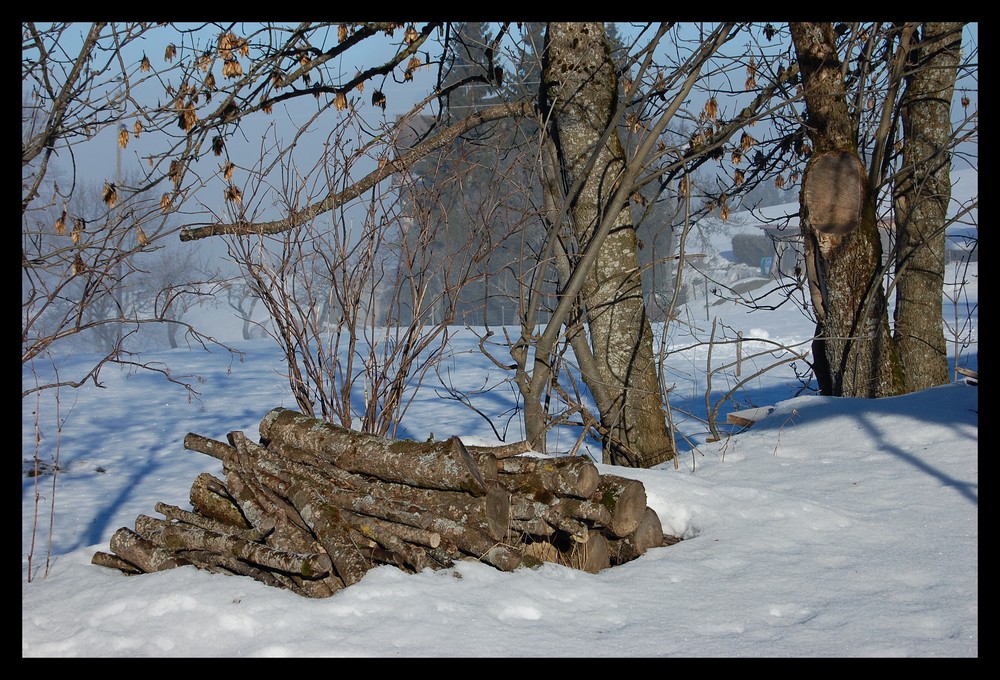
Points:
x=580 y=85
x=921 y=205
x=854 y=355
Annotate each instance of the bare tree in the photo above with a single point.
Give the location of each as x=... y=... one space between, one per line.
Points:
x=670 y=102
x=83 y=242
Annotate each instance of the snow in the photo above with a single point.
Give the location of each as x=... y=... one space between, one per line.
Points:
x=833 y=527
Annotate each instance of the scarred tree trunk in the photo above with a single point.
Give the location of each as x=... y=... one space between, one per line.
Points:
x=853 y=353
x=921 y=205
x=580 y=86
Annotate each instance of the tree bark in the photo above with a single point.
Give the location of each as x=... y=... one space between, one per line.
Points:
x=921 y=205
x=210 y=498
x=581 y=88
x=853 y=353
x=142 y=552
x=436 y=465
x=576 y=476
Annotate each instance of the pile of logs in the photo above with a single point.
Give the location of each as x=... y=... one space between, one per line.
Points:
x=312 y=507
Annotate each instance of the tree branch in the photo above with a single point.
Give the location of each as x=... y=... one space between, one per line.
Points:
x=333 y=200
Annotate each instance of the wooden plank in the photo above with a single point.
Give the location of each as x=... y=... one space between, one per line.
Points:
x=748 y=417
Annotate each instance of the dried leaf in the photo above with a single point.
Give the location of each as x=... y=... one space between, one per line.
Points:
x=170 y=52
x=123 y=138
x=174 y=174
x=378 y=99
x=738 y=177
x=340 y=101
x=78 y=266
x=231 y=68
x=61 y=224
x=210 y=81
x=77 y=231
x=746 y=141
x=218 y=145
x=110 y=195
x=228 y=42
x=411 y=35
x=737 y=157
x=187 y=118
x=779 y=182
x=137 y=128
x=165 y=202
x=141 y=237
x=227 y=171
x=341 y=33
x=233 y=195
x=144 y=65
x=712 y=108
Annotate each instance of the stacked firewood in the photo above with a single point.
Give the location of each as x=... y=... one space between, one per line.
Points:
x=312 y=507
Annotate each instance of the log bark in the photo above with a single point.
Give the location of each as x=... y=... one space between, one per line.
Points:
x=524 y=508
x=209 y=497
x=180 y=515
x=576 y=477
x=142 y=552
x=501 y=450
x=331 y=531
x=434 y=465
x=490 y=512
x=112 y=561
x=211 y=447
x=188 y=537
x=384 y=534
